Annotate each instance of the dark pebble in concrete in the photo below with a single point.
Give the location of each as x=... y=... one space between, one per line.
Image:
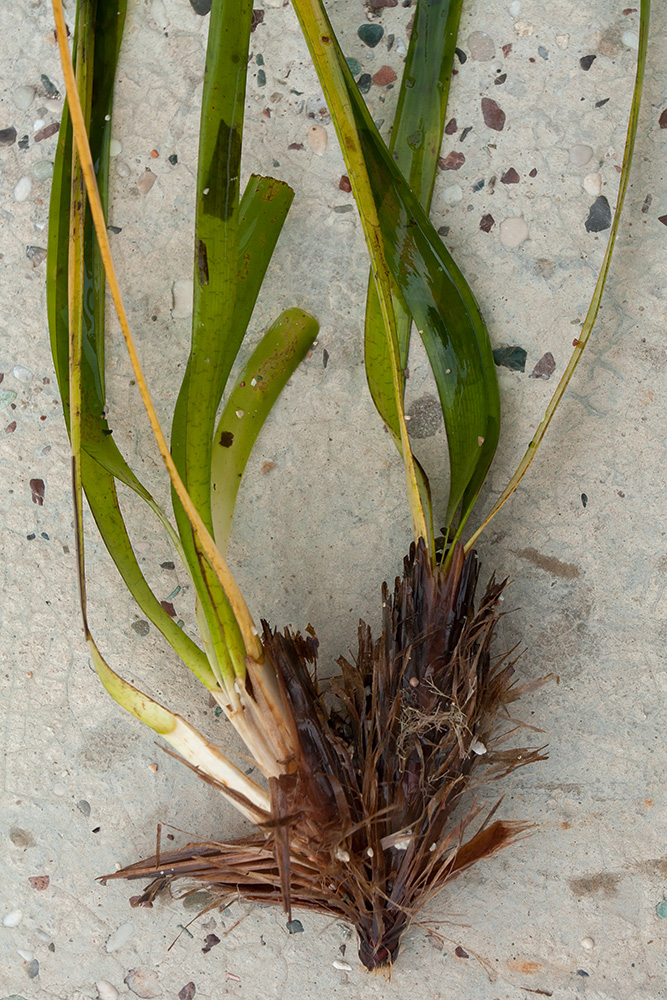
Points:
x=370 y=34
x=586 y=62
x=510 y=177
x=599 y=216
x=7 y=136
x=545 y=367
x=510 y=356
x=486 y=223
x=364 y=83
x=201 y=7
x=493 y=114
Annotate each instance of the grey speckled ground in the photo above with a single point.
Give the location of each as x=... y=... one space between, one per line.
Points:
x=317 y=535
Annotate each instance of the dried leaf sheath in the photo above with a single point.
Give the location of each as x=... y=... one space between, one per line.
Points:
x=363 y=828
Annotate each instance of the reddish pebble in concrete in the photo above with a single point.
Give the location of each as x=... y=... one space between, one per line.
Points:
x=37 y=488
x=493 y=114
x=662 y=120
x=344 y=184
x=486 y=223
x=510 y=177
x=453 y=161
x=384 y=76
x=451 y=127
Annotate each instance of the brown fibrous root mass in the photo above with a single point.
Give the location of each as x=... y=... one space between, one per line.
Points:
x=364 y=827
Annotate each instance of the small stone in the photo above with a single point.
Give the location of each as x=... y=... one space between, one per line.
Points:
x=105 y=990
x=120 y=937
x=115 y=147
x=344 y=184
x=13 y=918
x=499 y=80
x=580 y=155
x=515 y=8
x=201 y=7
x=341 y=966
x=21 y=373
x=599 y=216
x=23 y=97
x=482 y=48
x=384 y=76
x=542 y=52
x=317 y=139
x=486 y=223
x=256 y=19
x=261 y=78
x=461 y=56
x=146 y=181
x=144 y=983
x=210 y=941
x=562 y=41
x=83 y=807
x=25 y=954
x=24 y=142
x=354 y=66
x=42 y=170
x=370 y=34
x=494 y=116
x=513 y=232
x=294 y=926
x=510 y=356
x=586 y=62
x=524 y=28
x=451 y=127
x=7 y=136
x=661 y=909
x=631 y=40
x=22 y=189
x=593 y=184
x=50 y=88
x=141 y=627
x=545 y=367
x=452 y=195
x=47 y=131
x=51 y=104
x=453 y=161
x=36 y=254
x=187 y=992
x=32 y=969
x=587 y=943
x=39 y=882
x=510 y=177
x=364 y=83
x=173 y=159
x=425 y=417
x=122 y=169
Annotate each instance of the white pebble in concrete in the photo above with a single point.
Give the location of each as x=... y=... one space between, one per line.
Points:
x=524 y=28
x=593 y=184
x=115 y=147
x=120 y=936
x=452 y=195
x=37 y=124
x=23 y=97
x=51 y=104
x=181 y=292
x=106 y=990
x=21 y=373
x=588 y=943
x=12 y=919
x=513 y=232
x=144 y=983
x=22 y=189
x=481 y=46
x=42 y=170
x=580 y=155
x=515 y=8
x=122 y=169
x=317 y=139
x=562 y=41
x=631 y=40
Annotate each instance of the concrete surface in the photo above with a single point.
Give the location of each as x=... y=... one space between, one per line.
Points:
x=316 y=536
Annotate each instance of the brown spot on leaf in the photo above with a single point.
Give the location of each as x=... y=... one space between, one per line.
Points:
x=493 y=114
x=453 y=161
x=226 y=439
x=38 y=488
x=567 y=571
x=486 y=223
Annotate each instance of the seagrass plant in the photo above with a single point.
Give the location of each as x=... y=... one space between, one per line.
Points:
x=355 y=815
